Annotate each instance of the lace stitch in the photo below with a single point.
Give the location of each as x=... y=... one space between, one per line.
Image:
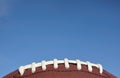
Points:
x=55 y=63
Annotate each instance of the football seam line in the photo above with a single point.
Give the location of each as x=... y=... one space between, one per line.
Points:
x=56 y=62
x=63 y=71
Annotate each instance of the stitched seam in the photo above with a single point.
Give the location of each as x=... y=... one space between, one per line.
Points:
x=63 y=71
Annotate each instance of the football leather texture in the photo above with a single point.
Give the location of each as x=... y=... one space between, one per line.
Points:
x=61 y=69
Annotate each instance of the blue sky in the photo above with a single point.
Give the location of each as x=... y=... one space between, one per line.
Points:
x=36 y=30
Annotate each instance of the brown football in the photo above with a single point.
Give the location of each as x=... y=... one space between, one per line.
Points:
x=61 y=69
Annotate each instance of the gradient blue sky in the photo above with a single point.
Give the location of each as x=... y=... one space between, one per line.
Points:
x=35 y=30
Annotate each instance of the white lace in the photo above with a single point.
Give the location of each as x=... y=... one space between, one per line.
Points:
x=56 y=62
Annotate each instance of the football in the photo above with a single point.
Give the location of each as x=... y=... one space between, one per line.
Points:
x=61 y=69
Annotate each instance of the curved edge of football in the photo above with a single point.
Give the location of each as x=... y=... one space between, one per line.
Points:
x=63 y=69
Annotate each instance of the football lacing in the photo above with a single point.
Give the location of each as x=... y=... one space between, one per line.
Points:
x=56 y=62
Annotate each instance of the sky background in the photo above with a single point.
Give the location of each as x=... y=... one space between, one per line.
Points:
x=36 y=30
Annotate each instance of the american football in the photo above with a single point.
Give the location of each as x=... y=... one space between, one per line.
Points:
x=61 y=69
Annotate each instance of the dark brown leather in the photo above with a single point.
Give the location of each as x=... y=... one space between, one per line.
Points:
x=61 y=72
